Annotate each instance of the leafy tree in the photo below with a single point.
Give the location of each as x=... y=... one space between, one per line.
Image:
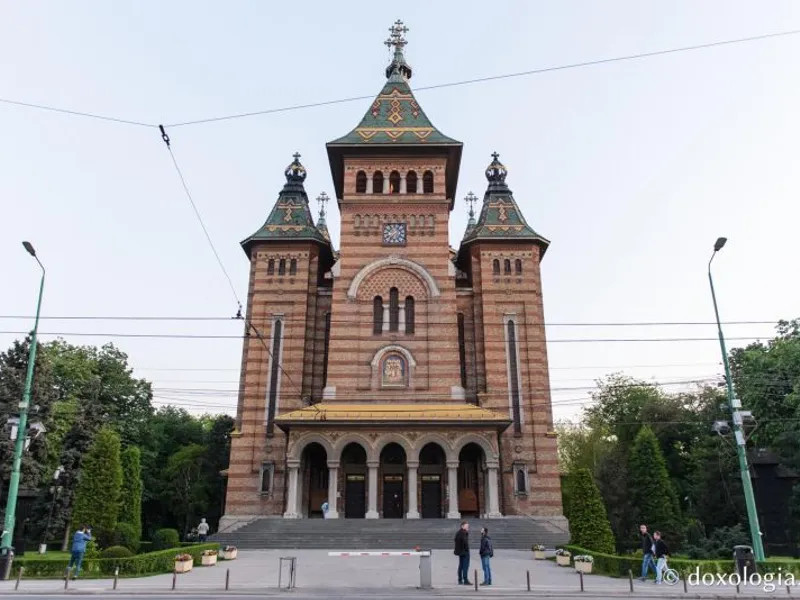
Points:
x=613 y=482
x=186 y=491
x=131 y=499
x=588 y=523
x=218 y=450
x=651 y=490
x=98 y=493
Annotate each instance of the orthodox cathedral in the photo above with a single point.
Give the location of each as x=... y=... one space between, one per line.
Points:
x=394 y=377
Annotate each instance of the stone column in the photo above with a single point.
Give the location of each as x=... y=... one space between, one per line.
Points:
x=403 y=183
x=413 y=511
x=372 y=506
x=452 y=490
x=492 y=485
x=401 y=321
x=292 y=492
x=386 y=316
x=333 y=489
x=386 y=184
x=369 y=184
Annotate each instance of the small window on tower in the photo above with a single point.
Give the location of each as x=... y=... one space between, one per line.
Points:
x=361 y=183
x=394 y=182
x=282 y=267
x=427 y=182
x=377 y=183
x=394 y=309
x=293 y=267
x=271 y=266
x=495 y=267
x=522 y=484
x=507 y=265
x=411 y=182
x=409 y=314
x=377 y=315
x=518 y=266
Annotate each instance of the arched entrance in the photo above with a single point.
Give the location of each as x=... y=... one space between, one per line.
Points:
x=354 y=466
x=314 y=462
x=470 y=480
x=393 y=470
x=432 y=466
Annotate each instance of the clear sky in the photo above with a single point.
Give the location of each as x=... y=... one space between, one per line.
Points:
x=632 y=169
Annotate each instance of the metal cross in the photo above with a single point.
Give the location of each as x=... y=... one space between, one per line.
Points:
x=396 y=38
x=296 y=156
x=471 y=199
x=322 y=199
x=495 y=155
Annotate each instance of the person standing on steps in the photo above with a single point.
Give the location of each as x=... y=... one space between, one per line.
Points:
x=202 y=531
x=461 y=550
x=648 y=549
x=486 y=552
x=325 y=509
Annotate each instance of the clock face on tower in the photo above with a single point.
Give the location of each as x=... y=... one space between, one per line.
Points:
x=394 y=233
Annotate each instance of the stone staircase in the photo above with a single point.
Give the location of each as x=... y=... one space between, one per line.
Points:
x=510 y=533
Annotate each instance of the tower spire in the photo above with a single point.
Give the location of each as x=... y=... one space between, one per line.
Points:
x=322 y=226
x=471 y=199
x=398 y=68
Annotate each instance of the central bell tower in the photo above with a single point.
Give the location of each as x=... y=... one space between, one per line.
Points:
x=394 y=326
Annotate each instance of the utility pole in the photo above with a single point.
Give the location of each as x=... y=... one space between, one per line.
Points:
x=19 y=448
x=735 y=404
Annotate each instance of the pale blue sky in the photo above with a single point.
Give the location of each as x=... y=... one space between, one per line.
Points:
x=632 y=169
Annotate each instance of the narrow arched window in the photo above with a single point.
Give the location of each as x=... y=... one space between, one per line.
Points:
x=293 y=267
x=507 y=265
x=518 y=266
x=274 y=374
x=411 y=182
x=394 y=310
x=282 y=267
x=271 y=266
x=513 y=375
x=496 y=267
x=409 y=314
x=521 y=487
x=357 y=221
x=377 y=315
x=462 y=350
x=377 y=183
x=361 y=182
x=326 y=346
x=427 y=182
x=394 y=182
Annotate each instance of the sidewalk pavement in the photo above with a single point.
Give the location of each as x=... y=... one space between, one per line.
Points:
x=256 y=572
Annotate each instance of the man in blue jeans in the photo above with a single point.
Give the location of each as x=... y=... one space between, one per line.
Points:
x=486 y=552
x=461 y=550
x=79 y=540
x=647 y=553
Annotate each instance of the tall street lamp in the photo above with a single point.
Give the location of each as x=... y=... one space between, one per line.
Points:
x=734 y=404
x=19 y=447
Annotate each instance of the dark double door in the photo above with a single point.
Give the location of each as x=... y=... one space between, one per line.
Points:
x=431 y=497
x=355 y=502
x=393 y=497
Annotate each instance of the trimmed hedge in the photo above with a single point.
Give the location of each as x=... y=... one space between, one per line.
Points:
x=152 y=563
x=618 y=566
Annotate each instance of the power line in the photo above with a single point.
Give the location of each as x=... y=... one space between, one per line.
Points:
x=75 y=113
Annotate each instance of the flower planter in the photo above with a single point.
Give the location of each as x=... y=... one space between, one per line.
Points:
x=209 y=561
x=183 y=566
x=538 y=554
x=583 y=567
x=562 y=561
x=228 y=554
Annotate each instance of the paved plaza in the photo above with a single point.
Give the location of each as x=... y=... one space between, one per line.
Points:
x=256 y=572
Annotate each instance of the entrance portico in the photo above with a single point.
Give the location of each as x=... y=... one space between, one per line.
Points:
x=393 y=461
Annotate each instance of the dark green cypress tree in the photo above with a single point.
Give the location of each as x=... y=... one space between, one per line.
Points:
x=652 y=492
x=130 y=511
x=588 y=521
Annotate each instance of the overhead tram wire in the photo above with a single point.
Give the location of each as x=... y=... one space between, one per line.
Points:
x=76 y=113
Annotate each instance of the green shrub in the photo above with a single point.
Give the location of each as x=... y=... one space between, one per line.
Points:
x=116 y=552
x=166 y=538
x=126 y=535
x=588 y=523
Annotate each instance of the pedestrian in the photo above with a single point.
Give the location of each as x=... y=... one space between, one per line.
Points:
x=79 y=540
x=325 y=508
x=202 y=531
x=461 y=550
x=486 y=552
x=661 y=552
x=647 y=552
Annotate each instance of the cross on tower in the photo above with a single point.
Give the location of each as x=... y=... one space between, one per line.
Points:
x=495 y=156
x=322 y=199
x=296 y=156
x=471 y=199
x=396 y=38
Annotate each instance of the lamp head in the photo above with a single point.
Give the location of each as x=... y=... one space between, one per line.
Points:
x=29 y=247
x=720 y=244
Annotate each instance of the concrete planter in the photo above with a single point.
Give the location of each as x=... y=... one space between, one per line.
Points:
x=228 y=554
x=562 y=561
x=183 y=566
x=538 y=554
x=209 y=561
x=583 y=567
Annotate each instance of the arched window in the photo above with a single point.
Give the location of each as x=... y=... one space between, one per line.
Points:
x=513 y=375
x=357 y=220
x=409 y=314
x=394 y=182
x=495 y=267
x=377 y=315
x=377 y=183
x=462 y=350
x=271 y=266
x=274 y=375
x=518 y=266
x=282 y=267
x=507 y=265
x=411 y=182
x=430 y=220
x=427 y=182
x=327 y=346
x=394 y=310
x=293 y=267
x=521 y=487
x=361 y=182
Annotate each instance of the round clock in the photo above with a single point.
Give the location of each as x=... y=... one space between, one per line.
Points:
x=394 y=233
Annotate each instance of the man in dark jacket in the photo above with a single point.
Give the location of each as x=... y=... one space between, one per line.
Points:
x=647 y=552
x=486 y=552
x=461 y=550
x=661 y=552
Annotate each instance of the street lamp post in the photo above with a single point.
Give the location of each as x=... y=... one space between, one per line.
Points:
x=55 y=491
x=735 y=404
x=19 y=447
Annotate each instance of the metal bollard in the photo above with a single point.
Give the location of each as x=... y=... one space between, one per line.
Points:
x=426 y=570
x=19 y=576
x=738 y=591
x=174 y=579
x=789 y=590
x=66 y=579
x=685 y=587
x=227 y=579
x=116 y=577
x=529 y=580
x=630 y=578
x=475 y=575
x=581 y=575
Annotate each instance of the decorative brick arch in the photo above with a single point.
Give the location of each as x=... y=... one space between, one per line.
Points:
x=449 y=455
x=300 y=444
x=489 y=452
x=352 y=438
x=398 y=439
x=396 y=262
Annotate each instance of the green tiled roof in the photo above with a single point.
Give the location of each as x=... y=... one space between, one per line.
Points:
x=290 y=219
x=500 y=217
